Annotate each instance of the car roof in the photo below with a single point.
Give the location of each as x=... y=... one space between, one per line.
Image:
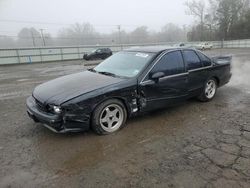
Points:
x=153 y=49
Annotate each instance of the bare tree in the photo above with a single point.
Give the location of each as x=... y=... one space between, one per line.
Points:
x=197 y=9
x=29 y=37
x=139 y=35
x=172 y=33
x=79 y=34
x=228 y=13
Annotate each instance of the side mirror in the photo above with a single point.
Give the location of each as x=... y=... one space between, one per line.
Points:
x=156 y=76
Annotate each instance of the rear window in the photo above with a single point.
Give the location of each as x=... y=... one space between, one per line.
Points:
x=192 y=60
x=205 y=60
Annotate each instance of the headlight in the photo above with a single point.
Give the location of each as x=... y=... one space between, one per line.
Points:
x=57 y=109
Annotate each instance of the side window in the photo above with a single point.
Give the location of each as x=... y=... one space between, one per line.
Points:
x=205 y=60
x=171 y=63
x=192 y=60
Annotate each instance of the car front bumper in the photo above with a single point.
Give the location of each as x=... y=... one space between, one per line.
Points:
x=51 y=121
x=54 y=122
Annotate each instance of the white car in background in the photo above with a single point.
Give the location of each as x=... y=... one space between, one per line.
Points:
x=204 y=46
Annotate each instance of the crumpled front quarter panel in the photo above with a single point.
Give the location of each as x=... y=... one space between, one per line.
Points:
x=81 y=108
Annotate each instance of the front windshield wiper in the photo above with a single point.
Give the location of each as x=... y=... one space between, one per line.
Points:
x=102 y=72
x=92 y=70
x=107 y=73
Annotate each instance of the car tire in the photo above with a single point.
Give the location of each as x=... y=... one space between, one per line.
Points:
x=209 y=90
x=109 y=117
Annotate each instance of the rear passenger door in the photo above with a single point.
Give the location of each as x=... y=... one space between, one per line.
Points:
x=197 y=75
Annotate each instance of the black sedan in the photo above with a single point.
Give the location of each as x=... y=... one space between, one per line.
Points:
x=100 y=53
x=126 y=84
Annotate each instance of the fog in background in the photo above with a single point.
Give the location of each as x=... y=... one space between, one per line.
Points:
x=29 y=23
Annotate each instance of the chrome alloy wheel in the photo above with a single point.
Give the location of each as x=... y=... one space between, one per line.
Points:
x=210 y=89
x=111 y=118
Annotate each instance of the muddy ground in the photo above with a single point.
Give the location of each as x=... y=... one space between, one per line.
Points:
x=191 y=145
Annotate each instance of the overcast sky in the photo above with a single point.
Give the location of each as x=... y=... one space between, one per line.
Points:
x=103 y=14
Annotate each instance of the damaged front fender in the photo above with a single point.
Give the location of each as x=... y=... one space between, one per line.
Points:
x=76 y=116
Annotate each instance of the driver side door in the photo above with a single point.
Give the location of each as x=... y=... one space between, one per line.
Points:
x=170 y=88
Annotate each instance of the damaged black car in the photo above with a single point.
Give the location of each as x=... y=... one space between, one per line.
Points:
x=127 y=83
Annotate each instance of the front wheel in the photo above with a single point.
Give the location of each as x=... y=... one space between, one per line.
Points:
x=209 y=90
x=109 y=117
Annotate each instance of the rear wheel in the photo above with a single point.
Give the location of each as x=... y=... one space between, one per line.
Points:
x=109 y=117
x=209 y=90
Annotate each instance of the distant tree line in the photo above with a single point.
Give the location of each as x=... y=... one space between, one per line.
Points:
x=214 y=20
x=85 y=34
x=219 y=19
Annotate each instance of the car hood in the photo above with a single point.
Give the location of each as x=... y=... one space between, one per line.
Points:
x=62 y=89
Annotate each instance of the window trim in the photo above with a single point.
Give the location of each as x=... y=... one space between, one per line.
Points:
x=211 y=63
x=202 y=66
x=186 y=72
x=165 y=77
x=198 y=69
x=159 y=58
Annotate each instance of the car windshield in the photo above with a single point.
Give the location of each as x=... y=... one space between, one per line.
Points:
x=125 y=64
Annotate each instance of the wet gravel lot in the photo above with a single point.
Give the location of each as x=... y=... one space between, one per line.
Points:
x=191 y=145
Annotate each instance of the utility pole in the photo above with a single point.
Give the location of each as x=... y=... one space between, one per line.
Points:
x=41 y=30
x=33 y=38
x=119 y=30
x=210 y=31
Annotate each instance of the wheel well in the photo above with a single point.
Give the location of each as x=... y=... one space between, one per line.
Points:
x=217 y=80
x=123 y=102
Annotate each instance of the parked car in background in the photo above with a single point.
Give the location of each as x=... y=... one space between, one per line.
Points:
x=128 y=83
x=179 y=45
x=100 y=53
x=204 y=46
x=183 y=45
